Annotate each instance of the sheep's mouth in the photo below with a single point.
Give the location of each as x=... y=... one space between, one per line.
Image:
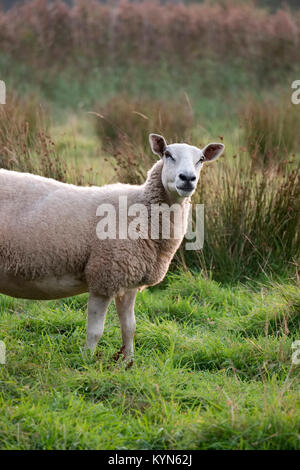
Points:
x=185 y=190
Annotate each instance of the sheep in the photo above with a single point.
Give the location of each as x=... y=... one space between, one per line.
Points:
x=51 y=246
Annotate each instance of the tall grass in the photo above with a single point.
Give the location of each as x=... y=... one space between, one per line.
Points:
x=125 y=116
x=252 y=220
x=271 y=130
x=25 y=143
x=21 y=118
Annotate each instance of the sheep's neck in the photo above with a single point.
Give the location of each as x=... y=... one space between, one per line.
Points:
x=154 y=190
x=156 y=194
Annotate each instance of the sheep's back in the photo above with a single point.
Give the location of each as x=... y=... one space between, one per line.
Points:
x=45 y=225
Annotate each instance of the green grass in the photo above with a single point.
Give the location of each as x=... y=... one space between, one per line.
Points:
x=212 y=371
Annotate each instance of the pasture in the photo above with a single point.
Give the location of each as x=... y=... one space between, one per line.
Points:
x=214 y=341
x=212 y=371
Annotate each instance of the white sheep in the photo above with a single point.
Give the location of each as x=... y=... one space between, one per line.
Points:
x=50 y=245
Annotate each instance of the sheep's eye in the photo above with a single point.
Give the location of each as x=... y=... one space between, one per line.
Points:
x=168 y=155
x=201 y=160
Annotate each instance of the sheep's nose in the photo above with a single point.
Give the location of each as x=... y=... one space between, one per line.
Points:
x=187 y=177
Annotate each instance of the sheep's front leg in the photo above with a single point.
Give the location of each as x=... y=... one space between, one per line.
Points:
x=97 y=308
x=125 y=309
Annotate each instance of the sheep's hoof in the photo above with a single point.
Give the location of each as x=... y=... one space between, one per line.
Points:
x=118 y=354
x=86 y=353
x=129 y=363
x=128 y=360
x=98 y=354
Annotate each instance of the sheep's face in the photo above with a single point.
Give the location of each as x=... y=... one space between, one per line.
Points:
x=182 y=164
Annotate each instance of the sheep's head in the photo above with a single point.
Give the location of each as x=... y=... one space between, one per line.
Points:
x=182 y=164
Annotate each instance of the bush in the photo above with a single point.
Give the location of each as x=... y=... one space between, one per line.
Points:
x=52 y=34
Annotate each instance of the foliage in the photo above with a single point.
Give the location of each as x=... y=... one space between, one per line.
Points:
x=51 y=34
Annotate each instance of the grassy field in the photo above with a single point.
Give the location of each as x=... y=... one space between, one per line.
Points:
x=213 y=367
x=213 y=371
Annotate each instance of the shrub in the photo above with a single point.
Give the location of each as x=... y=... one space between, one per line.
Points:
x=53 y=34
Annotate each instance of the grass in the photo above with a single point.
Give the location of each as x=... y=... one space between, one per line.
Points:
x=213 y=371
x=125 y=117
x=271 y=130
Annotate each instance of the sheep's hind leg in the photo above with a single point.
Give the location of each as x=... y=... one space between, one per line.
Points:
x=125 y=309
x=97 y=308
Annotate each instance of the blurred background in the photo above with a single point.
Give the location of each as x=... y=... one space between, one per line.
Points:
x=88 y=80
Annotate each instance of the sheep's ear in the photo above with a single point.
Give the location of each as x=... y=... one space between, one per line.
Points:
x=212 y=151
x=158 y=144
